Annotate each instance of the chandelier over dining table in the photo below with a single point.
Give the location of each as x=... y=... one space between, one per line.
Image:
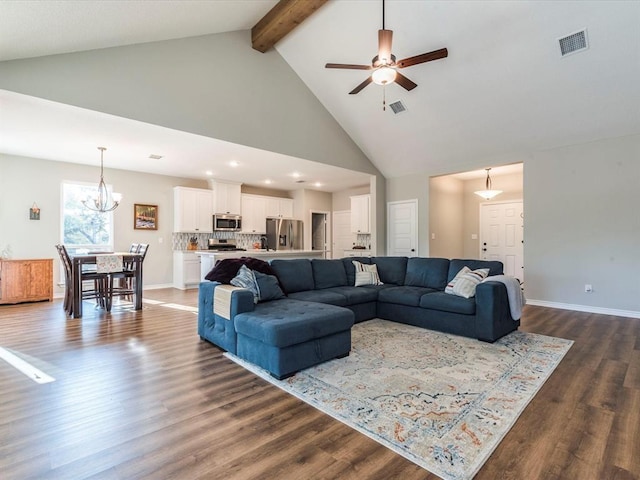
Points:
x=103 y=200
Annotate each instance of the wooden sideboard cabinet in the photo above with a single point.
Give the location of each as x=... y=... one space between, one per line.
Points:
x=26 y=280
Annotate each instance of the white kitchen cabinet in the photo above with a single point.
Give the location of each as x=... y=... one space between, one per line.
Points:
x=192 y=210
x=360 y=214
x=254 y=217
x=186 y=270
x=279 y=207
x=227 y=198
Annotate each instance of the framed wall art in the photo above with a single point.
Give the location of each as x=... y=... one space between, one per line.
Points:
x=145 y=217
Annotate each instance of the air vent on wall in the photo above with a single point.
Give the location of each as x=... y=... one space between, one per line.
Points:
x=397 y=107
x=575 y=42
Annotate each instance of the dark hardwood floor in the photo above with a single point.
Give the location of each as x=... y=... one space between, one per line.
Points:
x=138 y=395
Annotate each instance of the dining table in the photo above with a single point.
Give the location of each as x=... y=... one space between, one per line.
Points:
x=127 y=258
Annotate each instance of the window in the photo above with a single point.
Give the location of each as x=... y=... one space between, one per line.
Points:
x=84 y=229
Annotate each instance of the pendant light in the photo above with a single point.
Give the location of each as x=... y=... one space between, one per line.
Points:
x=488 y=193
x=103 y=201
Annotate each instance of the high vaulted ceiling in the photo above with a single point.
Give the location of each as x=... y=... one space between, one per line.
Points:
x=503 y=92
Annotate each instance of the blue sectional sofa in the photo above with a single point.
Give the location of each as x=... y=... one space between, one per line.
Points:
x=313 y=323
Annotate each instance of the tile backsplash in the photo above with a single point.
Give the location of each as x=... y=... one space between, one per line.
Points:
x=181 y=240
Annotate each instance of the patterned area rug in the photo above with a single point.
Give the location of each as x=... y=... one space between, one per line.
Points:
x=442 y=401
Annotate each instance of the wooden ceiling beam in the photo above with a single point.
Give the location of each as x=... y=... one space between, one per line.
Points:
x=281 y=19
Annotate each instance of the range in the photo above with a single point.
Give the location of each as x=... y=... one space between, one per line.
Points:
x=220 y=245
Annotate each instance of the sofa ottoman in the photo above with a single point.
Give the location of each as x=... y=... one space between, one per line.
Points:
x=285 y=336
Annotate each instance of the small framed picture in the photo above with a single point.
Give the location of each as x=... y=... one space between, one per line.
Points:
x=145 y=217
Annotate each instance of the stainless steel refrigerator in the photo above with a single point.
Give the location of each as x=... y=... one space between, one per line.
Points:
x=284 y=234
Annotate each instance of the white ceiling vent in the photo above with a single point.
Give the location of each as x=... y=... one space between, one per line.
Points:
x=397 y=107
x=573 y=43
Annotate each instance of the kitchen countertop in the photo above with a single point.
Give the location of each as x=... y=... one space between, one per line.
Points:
x=261 y=253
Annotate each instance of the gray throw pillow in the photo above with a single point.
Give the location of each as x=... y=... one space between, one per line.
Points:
x=268 y=287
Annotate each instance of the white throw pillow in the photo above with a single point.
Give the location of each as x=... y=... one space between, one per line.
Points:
x=465 y=286
x=454 y=280
x=366 y=274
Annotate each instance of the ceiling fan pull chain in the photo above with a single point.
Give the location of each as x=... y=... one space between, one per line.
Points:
x=384 y=99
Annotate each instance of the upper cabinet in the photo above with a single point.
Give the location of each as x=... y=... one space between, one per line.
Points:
x=279 y=207
x=226 y=197
x=254 y=218
x=360 y=214
x=192 y=210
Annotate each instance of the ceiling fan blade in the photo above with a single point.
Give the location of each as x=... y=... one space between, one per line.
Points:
x=425 y=57
x=404 y=82
x=385 y=37
x=361 y=86
x=348 y=66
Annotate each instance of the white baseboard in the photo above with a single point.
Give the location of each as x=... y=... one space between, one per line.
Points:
x=585 y=308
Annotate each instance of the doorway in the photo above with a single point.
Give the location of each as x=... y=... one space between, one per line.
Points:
x=402 y=230
x=319 y=232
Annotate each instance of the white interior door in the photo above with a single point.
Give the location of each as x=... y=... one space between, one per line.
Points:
x=402 y=229
x=501 y=235
x=343 y=239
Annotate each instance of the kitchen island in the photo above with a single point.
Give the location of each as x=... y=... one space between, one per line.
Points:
x=208 y=258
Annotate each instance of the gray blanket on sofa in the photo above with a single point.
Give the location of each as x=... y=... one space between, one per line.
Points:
x=514 y=293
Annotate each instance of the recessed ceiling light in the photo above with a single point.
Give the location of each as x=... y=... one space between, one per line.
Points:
x=208 y=172
x=296 y=175
x=268 y=182
x=155 y=157
x=234 y=164
x=317 y=184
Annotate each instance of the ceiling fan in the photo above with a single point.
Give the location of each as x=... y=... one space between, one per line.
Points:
x=384 y=65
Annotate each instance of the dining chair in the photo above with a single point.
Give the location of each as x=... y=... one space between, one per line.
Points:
x=99 y=282
x=125 y=277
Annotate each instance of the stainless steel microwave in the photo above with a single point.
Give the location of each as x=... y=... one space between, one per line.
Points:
x=223 y=222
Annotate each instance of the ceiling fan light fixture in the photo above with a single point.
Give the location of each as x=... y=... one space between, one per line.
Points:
x=383 y=75
x=488 y=193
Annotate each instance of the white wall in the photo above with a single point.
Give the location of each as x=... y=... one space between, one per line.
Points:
x=446 y=217
x=26 y=180
x=583 y=224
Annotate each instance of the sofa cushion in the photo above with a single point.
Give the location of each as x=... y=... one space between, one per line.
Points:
x=328 y=273
x=495 y=267
x=350 y=269
x=320 y=296
x=289 y=322
x=409 y=296
x=294 y=275
x=391 y=269
x=448 y=303
x=427 y=272
x=356 y=295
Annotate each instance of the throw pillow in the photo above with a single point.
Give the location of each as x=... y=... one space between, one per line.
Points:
x=454 y=280
x=247 y=279
x=224 y=270
x=366 y=274
x=466 y=284
x=268 y=287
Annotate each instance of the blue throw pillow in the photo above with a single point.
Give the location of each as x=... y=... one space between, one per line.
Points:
x=268 y=288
